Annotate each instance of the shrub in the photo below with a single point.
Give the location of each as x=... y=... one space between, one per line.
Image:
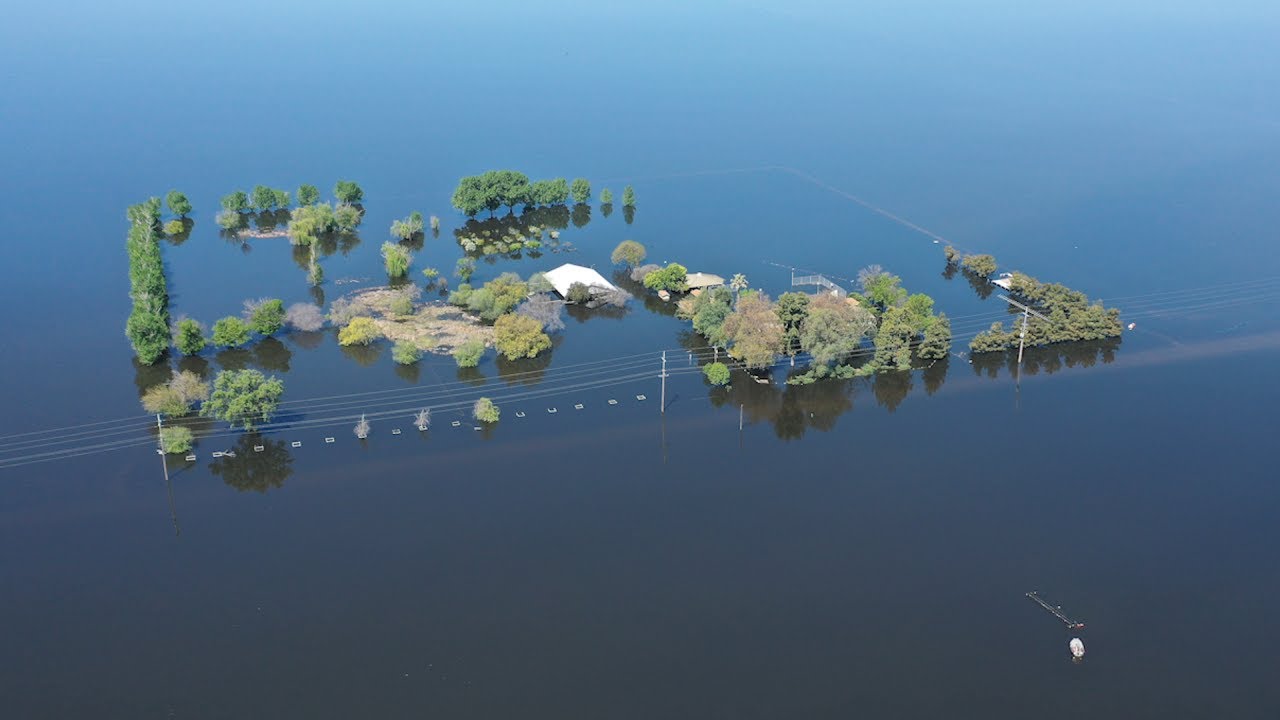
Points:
x=468 y=354
x=188 y=336
x=953 y=255
x=305 y=317
x=176 y=439
x=347 y=217
x=461 y=295
x=485 y=411
x=230 y=331
x=980 y=265
x=717 y=373
x=519 y=336
x=164 y=400
x=397 y=259
x=344 y=310
x=629 y=253
x=308 y=194
x=265 y=316
x=578 y=293
x=430 y=273
x=465 y=268
x=348 y=192
x=360 y=331
x=406 y=353
x=639 y=274
x=174 y=227
x=671 y=277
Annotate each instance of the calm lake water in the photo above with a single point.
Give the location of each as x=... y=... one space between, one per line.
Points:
x=858 y=548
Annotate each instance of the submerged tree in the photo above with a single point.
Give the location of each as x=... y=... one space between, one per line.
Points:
x=230 y=331
x=628 y=198
x=717 y=373
x=468 y=354
x=519 y=336
x=265 y=315
x=485 y=411
x=308 y=194
x=178 y=203
x=629 y=253
x=244 y=397
x=397 y=259
x=188 y=336
x=755 y=331
x=348 y=192
x=580 y=189
x=305 y=317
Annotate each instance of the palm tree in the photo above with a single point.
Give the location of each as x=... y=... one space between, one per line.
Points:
x=738 y=283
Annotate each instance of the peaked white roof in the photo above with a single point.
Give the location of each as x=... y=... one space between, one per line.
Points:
x=565 y=275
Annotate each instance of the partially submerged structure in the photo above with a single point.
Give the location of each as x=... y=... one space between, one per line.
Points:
x=702 y=281
x=565 y=276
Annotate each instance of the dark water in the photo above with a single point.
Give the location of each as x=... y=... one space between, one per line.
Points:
x=858 y=548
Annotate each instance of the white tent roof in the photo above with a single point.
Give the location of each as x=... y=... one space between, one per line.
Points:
x=565 y=275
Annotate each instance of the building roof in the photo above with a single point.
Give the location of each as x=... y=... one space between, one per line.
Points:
x=702 y=280
x=565 y=275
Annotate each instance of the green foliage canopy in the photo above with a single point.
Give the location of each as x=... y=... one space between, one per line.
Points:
x=178 y=203
x=629 y=253
x=230 y=331
x=519 y=336
x=244 y=397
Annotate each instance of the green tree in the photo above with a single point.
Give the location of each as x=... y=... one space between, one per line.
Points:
x=953 y=255
x=407 y=228
x=468 y=354
x=230 y=331
x=628 y=197
x=672 y=277
x=163 y=400
x=308 y=194
x=518 y=336
x=792 y=309
x=755 y=331
x=504 y=293
x=282 y=198
x=265 y=316
x=406 y=353
x=176 y=439
x=629 y=253
x=980 y=265
x=832 y=331
x=894 y=340
x=580 y=190
x=469 y=196
x=188 y=336
x=883 y=289
x=549 y=192
x=348 y=192
x=243 y=397
x=937 y=339
x=264 y=198
x=606 y=197
x=235 y=202
x=178 y=203
x=360 y=331
x=397 y=259
x=174 y=227
x=717 y=373
x=485 y=411
x=710 y=309
x=149 y=334
x=347 y=217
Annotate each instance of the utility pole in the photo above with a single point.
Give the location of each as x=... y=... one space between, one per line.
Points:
x=1022 y=338
x=160 y=447
x=662 y=406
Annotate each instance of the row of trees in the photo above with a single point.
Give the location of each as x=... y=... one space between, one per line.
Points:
x=1072 y=317
x=498 y=188
x=265 y=199
x=243 y=398
x=148 y=325
x=264 y=317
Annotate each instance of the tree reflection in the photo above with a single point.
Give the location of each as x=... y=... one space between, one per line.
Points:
x=147 y=376
x=271 y=354
x=251 y=470
x=410 y=373
x=471 y=376
x=891 y=388
x=178 y=238
x=307 y=339
x=606 y=209
x=233 y=358
x=652 y=302
x=194 y=364
x=1048 y=359
x=628 y=213
x=527 y=371
x=934 y=374
x=581 y=215
x=364 y=355
x=792 y=409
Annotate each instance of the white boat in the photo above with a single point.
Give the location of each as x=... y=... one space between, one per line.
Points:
x=1077 y=648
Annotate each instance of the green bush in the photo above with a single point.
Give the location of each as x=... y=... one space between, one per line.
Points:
x=485 y=411
x=406 y=353
x=717 y=373
x=176 y=439
x=578 y=293
x=468 y=354
x=230 y=331
x=265 y=316
x=360 y=331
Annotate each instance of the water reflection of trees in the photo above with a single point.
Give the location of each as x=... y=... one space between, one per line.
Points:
x=628 y=213
x=527 y=371
x=1048 y=359
x=251 y=470
x=606 y=209
x=410 y=373
x=510 y=235
x=272 y=355
x=652 y=302
x=307 y=340
x=363 y=355
x=471 y=376
x=790 y=409
x=178 y=238
x=581 y=215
